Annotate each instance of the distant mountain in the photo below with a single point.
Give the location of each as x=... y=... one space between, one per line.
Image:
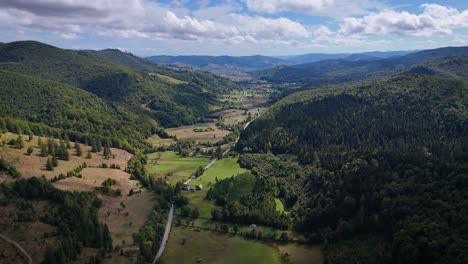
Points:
x=315 y=57
x=344 y=70
x=221 y=64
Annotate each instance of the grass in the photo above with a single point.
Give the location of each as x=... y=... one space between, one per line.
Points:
x=300 y=253
x=174 y=166
x=186 y=246
x=197 y=199
x=156 y=141
x=222 y=169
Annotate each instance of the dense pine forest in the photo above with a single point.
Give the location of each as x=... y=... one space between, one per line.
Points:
x=381 y=162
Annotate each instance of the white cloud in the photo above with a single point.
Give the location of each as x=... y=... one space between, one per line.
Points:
x=435 y=19
x=142 y=19
x=69 y=36
x=332 y=8
x=275 y=6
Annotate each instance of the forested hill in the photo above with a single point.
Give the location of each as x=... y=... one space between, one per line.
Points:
x=342 y=70
x=383 y=164
x=178 y=96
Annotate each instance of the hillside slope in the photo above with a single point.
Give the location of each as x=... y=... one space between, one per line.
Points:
x=51 y=107
x=342 y=70
x=121 y=78
x=383 y=167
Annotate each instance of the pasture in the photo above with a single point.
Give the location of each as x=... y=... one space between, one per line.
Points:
x=188 y=246
x=222 y=169
x=172 y=166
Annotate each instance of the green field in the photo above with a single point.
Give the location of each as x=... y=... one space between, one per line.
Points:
x=187 y=246
x=222 y=169
x=175 y=167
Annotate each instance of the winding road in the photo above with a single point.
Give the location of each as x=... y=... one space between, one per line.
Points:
x=166 y=234
x=18 y=246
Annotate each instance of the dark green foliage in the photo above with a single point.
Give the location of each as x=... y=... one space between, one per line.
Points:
x=29 y=150
x=75 y=215
x=150 y=235
x=247 y=199
x=49 y=165
x=79 y=151
x=384 y=157
x=9 y=169
x=121 y=79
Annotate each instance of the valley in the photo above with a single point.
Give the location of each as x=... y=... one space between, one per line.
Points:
x=344 y=160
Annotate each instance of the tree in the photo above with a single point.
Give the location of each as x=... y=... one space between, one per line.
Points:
x=30 y=150
x=79 y=151
x=44 y=152
x=284 y=237
x=49 y=166
x=54 y=161
x=89 y=156
x=219 y=152
x=195 y=213
x=107 y=152
x=19 y=142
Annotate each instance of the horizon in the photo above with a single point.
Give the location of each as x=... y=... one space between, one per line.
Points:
x=237 y=27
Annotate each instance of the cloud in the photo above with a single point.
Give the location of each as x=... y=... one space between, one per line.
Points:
x=337 y=9
x=275 y=6
x=435 y=19
x=142 y=19
x=69 y=36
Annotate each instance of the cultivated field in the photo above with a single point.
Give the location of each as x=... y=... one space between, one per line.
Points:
x=168 y=165
x=34 y=164
x=188 y=132
x=189 y=246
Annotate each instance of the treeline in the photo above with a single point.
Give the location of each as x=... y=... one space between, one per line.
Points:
x=75 y=214
x=247 y=199
x=38 y=129
x=385 y=159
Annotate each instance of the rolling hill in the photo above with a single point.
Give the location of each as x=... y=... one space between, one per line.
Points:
x=120 y=78
x=383 y=170
x=342 y=70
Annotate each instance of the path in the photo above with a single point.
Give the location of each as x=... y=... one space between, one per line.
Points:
x=166 y=234
x=18 y=247
x=241 y=99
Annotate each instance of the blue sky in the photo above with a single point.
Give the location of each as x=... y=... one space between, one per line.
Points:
x=237 y=27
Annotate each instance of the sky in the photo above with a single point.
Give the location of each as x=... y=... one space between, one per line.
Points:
x=237 y=27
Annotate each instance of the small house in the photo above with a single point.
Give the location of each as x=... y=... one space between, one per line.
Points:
x=199 y=187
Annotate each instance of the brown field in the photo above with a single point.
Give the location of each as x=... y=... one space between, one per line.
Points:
x=122 y=222
x=187 y=133
x=34 y=165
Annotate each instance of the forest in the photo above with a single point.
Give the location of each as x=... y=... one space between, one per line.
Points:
x=383 y=160
x=74 y=213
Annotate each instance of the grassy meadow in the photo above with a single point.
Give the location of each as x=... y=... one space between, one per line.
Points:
x=172 y=166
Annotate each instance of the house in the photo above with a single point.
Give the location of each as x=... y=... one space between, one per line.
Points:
x=253 y=226
x=188 y=188
x=199 y=187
